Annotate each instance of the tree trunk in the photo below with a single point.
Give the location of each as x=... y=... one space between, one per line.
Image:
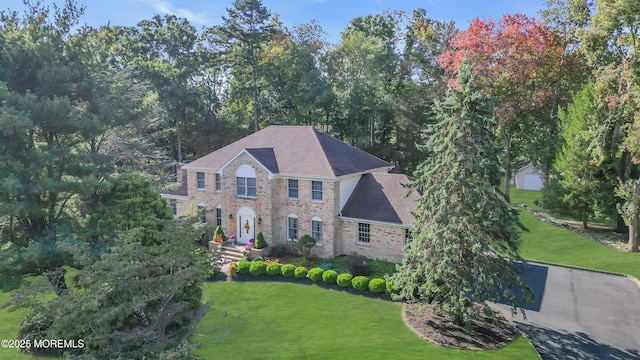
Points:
x=179 y=144
x=507 y=165
x=633 y=223
x=255 y=99
x=621 y=226
x=56 y=278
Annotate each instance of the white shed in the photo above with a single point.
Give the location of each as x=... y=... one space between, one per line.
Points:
x=529 y=177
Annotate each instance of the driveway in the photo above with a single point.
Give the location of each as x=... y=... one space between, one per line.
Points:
x=581 y=314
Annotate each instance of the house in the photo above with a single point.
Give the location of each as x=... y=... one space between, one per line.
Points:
x=287 y=181
x=529 y=177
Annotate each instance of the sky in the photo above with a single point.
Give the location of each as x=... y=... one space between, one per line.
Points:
x=332 y=15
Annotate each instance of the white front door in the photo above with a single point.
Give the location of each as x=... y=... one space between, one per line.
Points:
x=246 y=225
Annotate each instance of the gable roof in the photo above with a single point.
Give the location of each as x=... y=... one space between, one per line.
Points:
x=380 y=197
x=295 y=151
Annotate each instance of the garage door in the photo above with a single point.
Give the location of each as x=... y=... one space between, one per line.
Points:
x=532 y=182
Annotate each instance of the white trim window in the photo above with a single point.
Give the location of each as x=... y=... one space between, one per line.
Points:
x=200 y=180
x=219 y=215
x=364 y=233
x=292 y=227
x=245 y=181
x=218 y=183
x=292 y=189
x=173 y=204
x=316 y=190
x=316 y=229
x=407 y=236
x=202 y=214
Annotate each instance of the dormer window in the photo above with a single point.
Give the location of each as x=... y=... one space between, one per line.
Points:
x=245 y=181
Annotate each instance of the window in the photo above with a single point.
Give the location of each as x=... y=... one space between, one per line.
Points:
x=218 y=215
x=292 y=225
x=364 y=233
x=292 y=185
x=407 y=236
x=316 y=229
x=202 y=214
x=245 y=181
x=218 y=184
x=316 y=190
x=174 y=207
x=200 y=181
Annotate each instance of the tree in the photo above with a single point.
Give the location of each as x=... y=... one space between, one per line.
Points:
x=515 y=59
x=583 y=185
x=137 y=301
x=243 y=36
x=52 y=108
x=128 y=203
x=464 y=237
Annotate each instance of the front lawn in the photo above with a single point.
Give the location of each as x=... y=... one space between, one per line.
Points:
x=545 y=242
x=279 y=320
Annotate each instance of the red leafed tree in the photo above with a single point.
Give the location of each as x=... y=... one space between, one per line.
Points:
x=515 y=59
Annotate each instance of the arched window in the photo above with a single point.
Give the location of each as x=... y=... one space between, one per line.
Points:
x=245 y=181
x=292 y=226
x=219 y=215
x=202 y=213
x=316 y=229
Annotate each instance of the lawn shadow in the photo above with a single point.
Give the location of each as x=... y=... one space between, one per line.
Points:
x=552 y=344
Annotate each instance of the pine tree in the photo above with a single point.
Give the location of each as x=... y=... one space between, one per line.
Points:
x=465 y=238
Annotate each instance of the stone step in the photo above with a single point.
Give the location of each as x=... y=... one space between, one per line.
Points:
x=233 y=253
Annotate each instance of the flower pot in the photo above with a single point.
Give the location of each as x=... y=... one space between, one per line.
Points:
x=255 y=253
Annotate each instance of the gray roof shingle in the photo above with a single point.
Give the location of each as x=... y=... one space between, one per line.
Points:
x=380 y=197
x=295 y=151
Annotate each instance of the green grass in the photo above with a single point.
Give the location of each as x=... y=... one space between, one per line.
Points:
x=273 y=320
x=545 y=242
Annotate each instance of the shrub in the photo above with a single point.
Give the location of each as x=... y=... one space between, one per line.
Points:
x=377 y=285
x=300 y=272
x=329 y=276
x=288 y=270
x=305 y=244
x=360 y=283
x=273 y=269
x=315 y=274
x=257 y=268
x=326 y=266
x=278 y=250
x=381 y=268
x=260 y=243
x=232 y=270
x=243 y=266
x=359 y=266
x=390 y=289
x=219 y=233
x=344 y=280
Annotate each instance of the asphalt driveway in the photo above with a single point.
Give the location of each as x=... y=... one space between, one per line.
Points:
x=581 y=314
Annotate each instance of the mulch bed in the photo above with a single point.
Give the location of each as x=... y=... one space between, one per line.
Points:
x=440 y=330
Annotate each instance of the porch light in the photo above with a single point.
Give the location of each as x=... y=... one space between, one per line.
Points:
x=230 y=216
x=259 y=220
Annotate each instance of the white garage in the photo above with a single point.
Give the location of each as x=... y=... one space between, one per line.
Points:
x=529 y=177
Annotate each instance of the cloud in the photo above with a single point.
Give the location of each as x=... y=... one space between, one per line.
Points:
x=165 y=7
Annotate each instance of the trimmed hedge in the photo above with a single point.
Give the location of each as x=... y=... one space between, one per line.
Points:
x=329 y=276
x=315 y=274
x=257 y=268
x=360 y=283
x=377 y=285
x=287 y=270
x=300 y=272
x=243 y=267
x=273 y=269
x=344 y=280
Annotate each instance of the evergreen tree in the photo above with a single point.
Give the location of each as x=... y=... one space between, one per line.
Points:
x=464 y=239
x=583 y=186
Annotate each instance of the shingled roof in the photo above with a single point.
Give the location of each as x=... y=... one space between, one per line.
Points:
x=380 y=197
x=295 y=151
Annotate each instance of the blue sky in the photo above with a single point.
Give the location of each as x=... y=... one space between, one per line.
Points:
x=332 y=15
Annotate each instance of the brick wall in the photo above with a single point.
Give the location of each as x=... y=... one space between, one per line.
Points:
x=386 y=243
